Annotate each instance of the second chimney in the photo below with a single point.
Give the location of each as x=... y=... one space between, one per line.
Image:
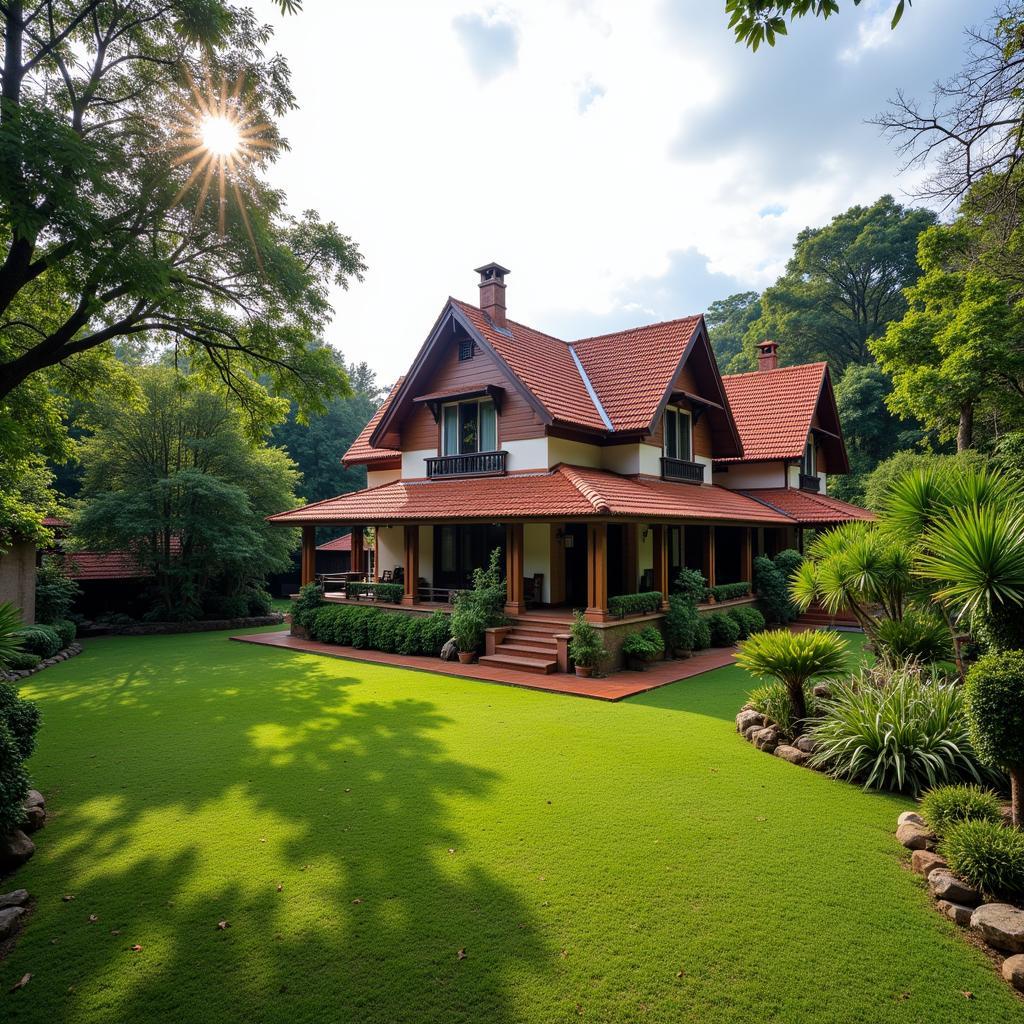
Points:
x=492 y=292
x=767 y=354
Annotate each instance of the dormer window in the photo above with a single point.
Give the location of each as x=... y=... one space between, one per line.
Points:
x=469 y=427
x=678 y=435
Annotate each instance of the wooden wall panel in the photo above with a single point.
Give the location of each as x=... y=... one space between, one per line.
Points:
x=702 y=444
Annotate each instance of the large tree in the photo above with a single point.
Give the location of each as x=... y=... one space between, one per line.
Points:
x=728 y=320
x=176 y=479
x=842 y=286
x=116 y=196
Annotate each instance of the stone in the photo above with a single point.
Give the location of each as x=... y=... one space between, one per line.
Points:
x=15 y=849
x=806 y=744
x=450 y=651
x=956 y=912
x=822 y=690
x=18 y=898
x=34 y=798
x=748 y=733
x=794 y=755
x=766 y=739
x=1000 y=925
x=946 y=886
x=35 y=818
x=913 y=817
x=914 y=836
x=9 y=919
x=924 y=862
x=745 y=719
x=1013 y=971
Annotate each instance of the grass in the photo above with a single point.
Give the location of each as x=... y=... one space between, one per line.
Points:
x=610 y=862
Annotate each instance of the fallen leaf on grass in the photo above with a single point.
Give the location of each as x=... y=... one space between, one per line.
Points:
x=357 y=900
x=280 y=887
x=461 y=955
x=67 y=897
x=450 y=850
x=564 y=953
x=967 y=995
x=680 y=974
x=115 y=931
x=22 y=982
x=223 y=925
x=93 y=918
x=136 y=948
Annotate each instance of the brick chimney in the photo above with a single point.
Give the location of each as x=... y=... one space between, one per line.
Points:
x=767 y=354
x=492 y=292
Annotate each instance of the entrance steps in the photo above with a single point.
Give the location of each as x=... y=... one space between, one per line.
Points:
x=529 y=645
x=817 y=617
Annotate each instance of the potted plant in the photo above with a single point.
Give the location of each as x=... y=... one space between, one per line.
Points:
x=468 y=626
x=586 y=647
x=642 y=647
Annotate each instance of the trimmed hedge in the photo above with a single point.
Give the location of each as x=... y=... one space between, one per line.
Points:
x=375 y=629
x=20 y=661
x=390 y=592
x=749 y=619
x=66 y=630
x=729 y=591
x=635 y=604
x=725 y=631
x=42 y=640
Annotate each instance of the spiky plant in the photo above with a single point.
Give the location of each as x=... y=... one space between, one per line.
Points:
x=10 y=632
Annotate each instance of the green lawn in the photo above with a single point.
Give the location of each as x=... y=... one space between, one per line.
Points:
x=610 y=862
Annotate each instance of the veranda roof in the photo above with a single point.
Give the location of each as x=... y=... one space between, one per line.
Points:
x=807 y=508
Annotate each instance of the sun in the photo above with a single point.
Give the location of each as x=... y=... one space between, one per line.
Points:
x=220 y=135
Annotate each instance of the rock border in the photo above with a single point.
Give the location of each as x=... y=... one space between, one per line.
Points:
x=62 y=655
x=765 y=735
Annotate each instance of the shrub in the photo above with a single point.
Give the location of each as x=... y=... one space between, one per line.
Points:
x=946 y=806
x=772 y=701
x=306 y=605
x=907 y=734
x=690 y=586
x=922 y=636
x=701 y=634
x=390 y=592
x=750 y=620
x=771 y=585
x=436 y=631
x=41 y=640
x=730 y=591
x=22 y=660
x=586 y=647
x=260 y=602
x=645 y=644
x=55 y=592
x=635 y=604
x=66 y=630
x=995 y=710
x=19 y=722
x=411 y=638
x=224 y=606
x=682 y=623
x=724 y=630
x=468 y=626
x=11 y=630
x=989 y=856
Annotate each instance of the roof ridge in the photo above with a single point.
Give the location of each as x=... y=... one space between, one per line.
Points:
x=600 y=504
x=777 y=369
x=638 y=327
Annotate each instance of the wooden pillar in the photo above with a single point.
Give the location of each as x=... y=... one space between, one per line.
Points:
x=411 y=568
x=659 y=537
x=709 y=555
x=514 y=603
x=307 y=572
x=597 y=571
x=358 y=562
x=747 y=557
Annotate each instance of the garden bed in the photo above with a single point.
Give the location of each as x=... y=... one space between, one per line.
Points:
x=160 y=628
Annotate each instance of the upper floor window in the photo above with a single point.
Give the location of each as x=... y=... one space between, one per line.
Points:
x=809 y=465
x=467 y=348
x=469 y=427
x=678 y=435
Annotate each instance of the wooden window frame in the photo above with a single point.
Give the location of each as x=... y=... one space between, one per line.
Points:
x=441 y=447
x=679 y=411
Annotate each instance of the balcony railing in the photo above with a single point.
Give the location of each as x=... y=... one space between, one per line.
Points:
x=475 y=464
x=809 y=482
x=680 y=469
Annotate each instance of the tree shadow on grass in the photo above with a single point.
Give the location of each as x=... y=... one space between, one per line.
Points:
x=321 y=829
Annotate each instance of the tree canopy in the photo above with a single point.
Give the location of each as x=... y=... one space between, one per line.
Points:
x=728 y=320
x=760 y=21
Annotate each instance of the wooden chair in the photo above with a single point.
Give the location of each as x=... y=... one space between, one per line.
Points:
x=385 y=577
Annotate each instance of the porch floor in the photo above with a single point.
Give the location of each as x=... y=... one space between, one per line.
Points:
x=613 y=687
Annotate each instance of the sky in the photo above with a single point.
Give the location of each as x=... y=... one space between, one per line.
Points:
x=625 y=159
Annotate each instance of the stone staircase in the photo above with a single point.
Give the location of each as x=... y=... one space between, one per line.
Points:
x=530 y=645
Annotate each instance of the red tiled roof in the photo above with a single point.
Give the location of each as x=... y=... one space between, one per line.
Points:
x=103 y=565
x=360 y=450
x=338 y=544
x=773 y=409
x=808 y=508
x=54 y=522
x=564 y=492
x=631 y=370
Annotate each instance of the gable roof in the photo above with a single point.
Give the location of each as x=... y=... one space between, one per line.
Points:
x=361 y=451
x=338 y=544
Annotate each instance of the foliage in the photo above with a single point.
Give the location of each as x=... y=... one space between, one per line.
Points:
x=920 y=636
x=378 y=629
x=178 y=481
x=306 y=605
x=468 y=628
x=725 y=630
x=794 y=659
x=55 y=591
x=21 y=660
x=41 y=640
x=730 y=591
x=645 y=644
x=994 y=695
x=727 y=321
x=106 y=202
x=887 y=474
x=11 y=632
x=19 y=723
x=946 y=806
x=391 y=592
x=586 y=647
x=66 y=630
x=684 y=626
x=486 y=598
x=749 y=620
x=644 y=603
x=760 y=21
x=903 y=730
x=772 y=701
x=843 y=284
x=771 y=585
x=989 y=856
x=690 y=586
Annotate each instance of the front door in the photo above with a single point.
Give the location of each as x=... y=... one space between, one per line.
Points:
x=575 y=546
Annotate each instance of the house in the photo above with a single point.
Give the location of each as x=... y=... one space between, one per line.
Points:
x=599 y=466
x=334 y=556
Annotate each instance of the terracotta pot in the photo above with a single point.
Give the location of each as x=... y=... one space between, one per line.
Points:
x=681 y=653
x=467 y=657
x=584 y=671
x=636 y=664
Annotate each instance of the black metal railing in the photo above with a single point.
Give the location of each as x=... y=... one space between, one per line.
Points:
x=809 y=482
x=475 y=464
x=680 y=469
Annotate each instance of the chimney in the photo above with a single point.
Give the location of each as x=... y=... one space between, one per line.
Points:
x=492 y=292
x=767 y=354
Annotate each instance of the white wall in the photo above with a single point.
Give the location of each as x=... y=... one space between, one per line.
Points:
x=427 y=554
x=754 y=474
x=414 y=464
x=537 y=554
x=529 y=454
x=576 y=453
x=390 y=548
x=379 y=477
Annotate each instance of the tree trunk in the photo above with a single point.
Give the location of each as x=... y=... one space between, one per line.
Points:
x=798 y=703
x=965 y=432
x=1017 y=795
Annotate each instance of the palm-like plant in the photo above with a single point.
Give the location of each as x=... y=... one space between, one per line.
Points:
x=10 y=632
x=794 y=659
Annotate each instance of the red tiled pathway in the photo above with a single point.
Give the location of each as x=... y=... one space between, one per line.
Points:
x=611 y=687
